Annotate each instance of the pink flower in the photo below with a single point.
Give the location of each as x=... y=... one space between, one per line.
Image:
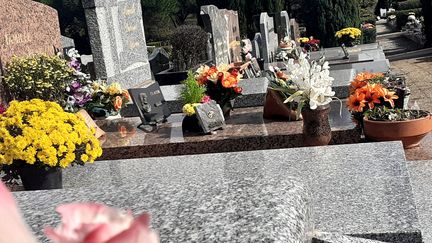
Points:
x=96 y=223
x=2 y=109
x=12 y=226
x=205 y=99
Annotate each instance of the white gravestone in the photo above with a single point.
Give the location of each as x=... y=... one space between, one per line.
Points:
x=270 y=38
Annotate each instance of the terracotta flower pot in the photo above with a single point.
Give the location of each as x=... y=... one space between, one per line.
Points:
x=410 y=132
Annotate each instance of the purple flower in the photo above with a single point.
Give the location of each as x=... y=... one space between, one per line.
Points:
x=75 y=64
x=75 y=85
x=2 y=109
x=81 y=98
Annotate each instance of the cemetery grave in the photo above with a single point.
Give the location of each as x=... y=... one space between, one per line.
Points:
x=255 y=180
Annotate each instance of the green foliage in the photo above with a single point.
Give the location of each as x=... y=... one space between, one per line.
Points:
x=367 y=16
x=382 y=113
x=189 y=44
x=192 y=92
x=408 y=4
x=39 y=76
x=402 y=16
x=369 y=35
x=325 y=17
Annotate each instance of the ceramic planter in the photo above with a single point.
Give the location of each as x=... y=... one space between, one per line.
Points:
x=409 y=132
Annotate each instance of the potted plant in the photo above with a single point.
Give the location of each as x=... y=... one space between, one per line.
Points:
x=369 y=90
x=309 y=44
x=107 y=100
x=189 y=45
x=38 y=76
x=308 y=86
x=349 y=36
x=192 y=95
x=38 y=139
x=387 y=124
x=221 y=83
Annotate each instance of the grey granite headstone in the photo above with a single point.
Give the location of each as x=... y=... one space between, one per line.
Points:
x=210 y=116
x=270 y=38
x=285 y=24
x=216 y=24
x=295 y=29
x=233 y=34
x=257 y=45
x=117 y=40
x=159 y=60
x=67 y=42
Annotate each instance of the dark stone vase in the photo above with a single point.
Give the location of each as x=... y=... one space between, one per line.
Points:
x=316 y=126
x=227 y=107
x=191 y=124
x=40 y=177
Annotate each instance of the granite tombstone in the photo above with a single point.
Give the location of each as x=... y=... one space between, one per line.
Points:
x=257 y=45
x=217 y=25
x=117 y=40
x=270 y=38
x=233 y=35
x=285 y=24
x=295 y=29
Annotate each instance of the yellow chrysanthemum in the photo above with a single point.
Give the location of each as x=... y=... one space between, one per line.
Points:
x=41 y=132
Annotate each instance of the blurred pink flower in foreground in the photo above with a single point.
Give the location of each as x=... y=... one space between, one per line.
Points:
x=12 y=226
x=96 y=223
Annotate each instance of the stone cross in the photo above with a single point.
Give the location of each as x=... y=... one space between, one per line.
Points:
x=117 y=40
x=216 y=23
x=269 y=36
x=257 y=45
x=285 y=24
x=26 y=27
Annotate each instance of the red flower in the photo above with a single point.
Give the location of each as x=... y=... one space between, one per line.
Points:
x=238 y=90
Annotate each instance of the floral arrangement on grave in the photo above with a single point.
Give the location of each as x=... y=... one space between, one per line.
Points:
x=79 y=91
x=107 y=99
x=349 y=36
x=373 y=102
x=221 y=83
x=192 y=94
x=246 y=51
x=79 y=222
x=367 y=92
x=307 y=84
x=38 y=138
x=189 y=44
x=287 y=49
x=38 y=76
x=310 y=44
x=369 y=33
x=307 y=88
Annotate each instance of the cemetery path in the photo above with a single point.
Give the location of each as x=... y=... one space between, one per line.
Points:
x=419 y=78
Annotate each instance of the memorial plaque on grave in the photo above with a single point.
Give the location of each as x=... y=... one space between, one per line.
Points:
x=117 y=40
x=210 y=116
x=151 y=104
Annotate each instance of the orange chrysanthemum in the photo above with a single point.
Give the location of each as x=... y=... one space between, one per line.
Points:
x=356 y=102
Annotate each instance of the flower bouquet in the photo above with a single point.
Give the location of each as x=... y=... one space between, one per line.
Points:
x=79 y=91
x=38 y=138
x=192 y=95
x=349 y=36
x=307 y=88
x=309 y=44
x=287 y=49
x=221 y=84
x=372 y=103
x=107 y=100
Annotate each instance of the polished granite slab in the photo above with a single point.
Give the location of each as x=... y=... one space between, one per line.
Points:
x=228 y=210
x=246 y=130
x=361 y=190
